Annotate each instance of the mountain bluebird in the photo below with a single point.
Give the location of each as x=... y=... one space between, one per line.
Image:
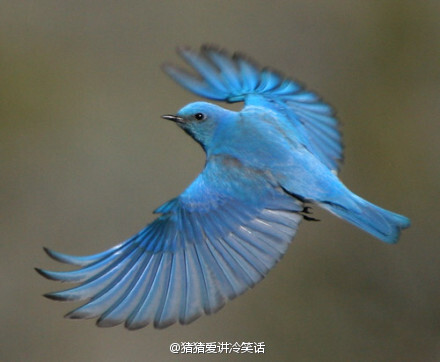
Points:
x=265 y=166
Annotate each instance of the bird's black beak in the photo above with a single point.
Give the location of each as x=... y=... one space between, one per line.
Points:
x=173 y=118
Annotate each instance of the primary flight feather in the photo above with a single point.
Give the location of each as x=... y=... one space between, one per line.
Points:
x=224 y=233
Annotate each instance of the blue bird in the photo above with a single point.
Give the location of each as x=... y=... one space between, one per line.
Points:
x=264 y=166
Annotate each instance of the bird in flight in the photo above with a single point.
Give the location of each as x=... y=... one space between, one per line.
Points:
x=265 y=165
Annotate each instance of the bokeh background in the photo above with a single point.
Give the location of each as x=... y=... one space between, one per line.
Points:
x=85 y=158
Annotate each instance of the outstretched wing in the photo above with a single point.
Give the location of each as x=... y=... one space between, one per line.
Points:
x=209 y=245
x=236 y=78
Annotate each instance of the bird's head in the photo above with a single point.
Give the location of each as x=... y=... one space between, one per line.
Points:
x=201 y=120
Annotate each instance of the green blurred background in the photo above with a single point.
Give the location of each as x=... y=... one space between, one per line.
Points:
x=85 y=158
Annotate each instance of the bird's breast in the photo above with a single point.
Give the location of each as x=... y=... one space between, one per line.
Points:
x=255 y=143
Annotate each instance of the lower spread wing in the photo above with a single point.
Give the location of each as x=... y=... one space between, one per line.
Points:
x=237 y=79
x=209 y=245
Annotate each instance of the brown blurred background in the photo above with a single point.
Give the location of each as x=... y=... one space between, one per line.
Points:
x=85 y=158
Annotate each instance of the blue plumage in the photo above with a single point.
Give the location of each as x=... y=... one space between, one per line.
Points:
x=224 y=233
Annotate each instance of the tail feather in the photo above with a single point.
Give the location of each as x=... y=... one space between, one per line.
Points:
x=383 y=224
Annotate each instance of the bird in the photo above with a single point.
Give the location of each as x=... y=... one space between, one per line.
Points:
x=266 y=166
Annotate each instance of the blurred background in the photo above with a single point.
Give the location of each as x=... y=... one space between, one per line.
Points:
x=85 y=158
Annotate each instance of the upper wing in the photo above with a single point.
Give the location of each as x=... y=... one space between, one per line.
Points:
x=216 y=240
x=235 y=79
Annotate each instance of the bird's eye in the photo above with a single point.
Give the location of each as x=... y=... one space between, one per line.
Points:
x=199 y=116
